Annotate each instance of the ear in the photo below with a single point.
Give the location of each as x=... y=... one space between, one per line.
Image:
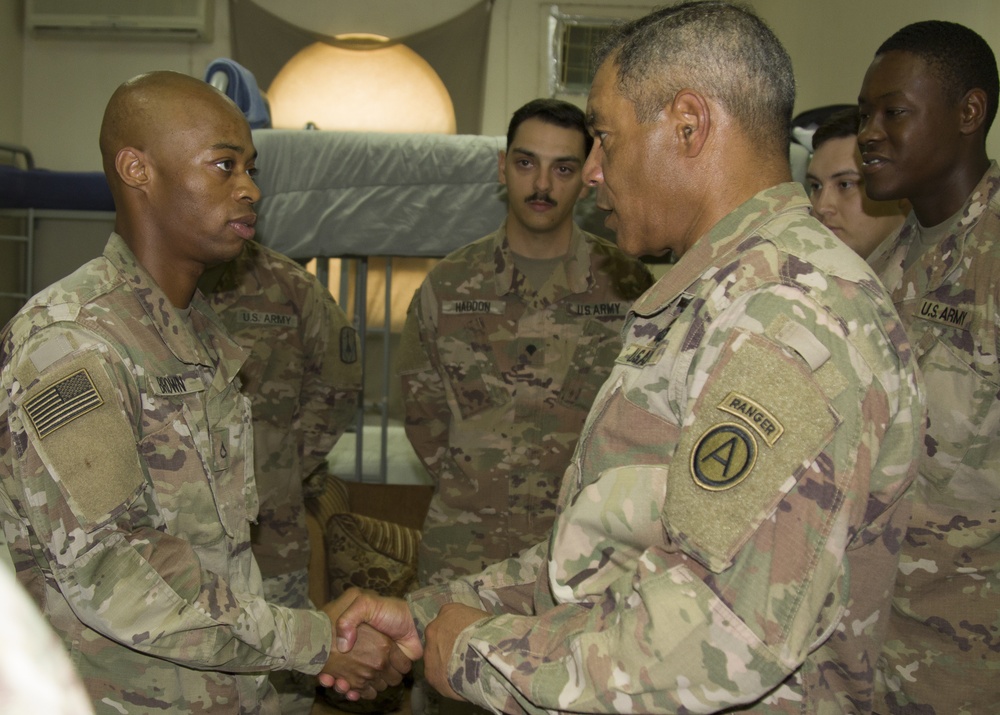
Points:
x=131 y=167
x=973 y=108
x=692 y=118
x=502 y=167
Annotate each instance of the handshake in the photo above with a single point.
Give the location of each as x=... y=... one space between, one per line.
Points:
x=376 y=642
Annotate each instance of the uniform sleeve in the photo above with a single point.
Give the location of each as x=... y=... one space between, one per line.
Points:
x=427 y=416
x=332 y=380
x=99 y=535
x=678 y=593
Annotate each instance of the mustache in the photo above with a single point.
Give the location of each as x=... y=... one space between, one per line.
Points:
x=541 y=197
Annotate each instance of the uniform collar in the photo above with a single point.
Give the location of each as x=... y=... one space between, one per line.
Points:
x=196 y=337
x=938 y=262
x=723 y=239
x=572 y=275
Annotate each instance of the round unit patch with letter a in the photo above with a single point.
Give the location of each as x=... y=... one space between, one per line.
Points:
x=723 y=457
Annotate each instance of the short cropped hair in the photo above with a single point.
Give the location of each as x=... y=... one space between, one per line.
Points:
x=840 y=124
x=552 y=111
x=961 y=59
x=720 y=49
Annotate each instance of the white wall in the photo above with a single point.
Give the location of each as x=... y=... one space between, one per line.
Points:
x=54 y=91
x=11 y=71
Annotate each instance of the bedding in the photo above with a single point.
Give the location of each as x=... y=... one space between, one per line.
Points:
x=333 y=194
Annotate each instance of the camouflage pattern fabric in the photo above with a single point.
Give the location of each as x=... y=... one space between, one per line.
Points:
x=126 y=457
x=497 y=379
x=730 y=522
x=942 y=653
x=303 y=378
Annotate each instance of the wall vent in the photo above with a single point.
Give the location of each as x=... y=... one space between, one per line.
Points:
x=572 y=40
x=176 y=20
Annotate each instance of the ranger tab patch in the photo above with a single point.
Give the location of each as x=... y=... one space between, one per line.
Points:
x=723 y=456
x=57 y=406
x=763 y=422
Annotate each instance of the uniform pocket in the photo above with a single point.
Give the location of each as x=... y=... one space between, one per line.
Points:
x=470 y=367
x=593 y=359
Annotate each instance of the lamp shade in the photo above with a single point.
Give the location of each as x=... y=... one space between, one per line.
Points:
x=361 y=83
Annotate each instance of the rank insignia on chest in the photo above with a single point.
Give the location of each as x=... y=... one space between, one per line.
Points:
x=723 y=457
x=60 y=404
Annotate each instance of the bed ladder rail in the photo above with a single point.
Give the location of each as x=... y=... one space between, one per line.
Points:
x=27 y=239
x=18 y=154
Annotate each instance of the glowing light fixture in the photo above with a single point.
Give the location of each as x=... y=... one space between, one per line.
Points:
x=361 y=83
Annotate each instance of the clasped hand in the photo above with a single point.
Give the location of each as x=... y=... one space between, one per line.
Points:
x=374 y=662
x=362 y=612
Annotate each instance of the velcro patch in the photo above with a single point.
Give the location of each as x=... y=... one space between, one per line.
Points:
x=94 y=458
x=763 y=422
x=464 y=307
x=348 y=345
x=175 y=385
x=954 y=316
x=618 y=308
x=258 y=317
x=640 y=355
x=735 y=477
x=63 y=402
x=723 y=456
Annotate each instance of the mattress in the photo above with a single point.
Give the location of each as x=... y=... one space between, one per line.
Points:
x=372 y=194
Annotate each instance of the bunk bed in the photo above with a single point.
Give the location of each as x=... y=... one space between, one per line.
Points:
x=29 y=194
x=360 y=195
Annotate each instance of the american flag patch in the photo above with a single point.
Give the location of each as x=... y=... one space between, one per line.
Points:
x=62 y=403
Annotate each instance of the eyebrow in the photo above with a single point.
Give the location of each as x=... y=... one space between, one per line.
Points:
x=233 y=147
x=533 y=155
x=884 y=95
x=836 y=175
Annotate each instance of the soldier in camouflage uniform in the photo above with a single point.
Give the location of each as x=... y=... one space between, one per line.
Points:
x=303 y=378
x=729 y=525
x=126 y=465
x=927 y=103
x=505 y=346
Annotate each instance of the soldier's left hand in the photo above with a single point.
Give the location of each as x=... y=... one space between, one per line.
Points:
x=439 y=643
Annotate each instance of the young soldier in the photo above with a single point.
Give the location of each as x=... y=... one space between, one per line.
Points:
x=927 y=102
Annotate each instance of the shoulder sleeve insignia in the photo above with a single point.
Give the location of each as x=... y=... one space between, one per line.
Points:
x=348 y=345
x=63 y=402
x=723 y=456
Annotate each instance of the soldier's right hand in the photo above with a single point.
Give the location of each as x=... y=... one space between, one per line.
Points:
x=374 y=662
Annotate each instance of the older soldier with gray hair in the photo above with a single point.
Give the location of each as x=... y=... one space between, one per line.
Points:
x=729 y=525
x=125 y=443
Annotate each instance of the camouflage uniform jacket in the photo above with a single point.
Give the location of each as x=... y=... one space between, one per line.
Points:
x=942 y=653
x=497 y=380
x=729 y=524
x=303 y=377
x=125 y=451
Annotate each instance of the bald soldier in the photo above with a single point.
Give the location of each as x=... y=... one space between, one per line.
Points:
x=729 y=524
x=125 y=442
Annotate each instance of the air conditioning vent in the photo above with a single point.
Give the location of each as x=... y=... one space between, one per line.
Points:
x=177 y=20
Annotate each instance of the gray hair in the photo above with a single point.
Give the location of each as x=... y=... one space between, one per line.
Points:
x=719 y=49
